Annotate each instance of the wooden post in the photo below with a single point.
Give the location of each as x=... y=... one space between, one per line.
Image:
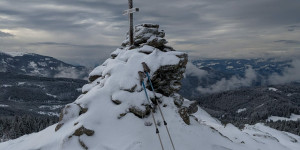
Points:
x=130 y=12
x=131 y=23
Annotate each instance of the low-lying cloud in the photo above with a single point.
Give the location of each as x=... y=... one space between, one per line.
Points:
x=192 y=70
x=4 y=34
x=67 y=72
x=232 y=83
x=288 y=41
x=290 y=74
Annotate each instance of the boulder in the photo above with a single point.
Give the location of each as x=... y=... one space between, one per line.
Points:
x=183 y=112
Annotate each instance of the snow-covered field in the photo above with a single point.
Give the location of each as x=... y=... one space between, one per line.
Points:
x=130 y=133
x=3 y=105
x=48 y=113
x=51 y=107
x=273 y=89
x=293 y=117
x=15 y=54
x=241 y=110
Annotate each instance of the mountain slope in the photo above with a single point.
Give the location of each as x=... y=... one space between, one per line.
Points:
x=22 y=94
x=39 y=65
x=257 y=104
x=113 y=112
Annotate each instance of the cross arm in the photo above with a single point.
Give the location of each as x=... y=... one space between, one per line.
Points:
x=130 y=11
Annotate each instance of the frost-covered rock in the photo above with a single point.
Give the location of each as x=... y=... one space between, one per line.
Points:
x=149 y=34
x=113 y=112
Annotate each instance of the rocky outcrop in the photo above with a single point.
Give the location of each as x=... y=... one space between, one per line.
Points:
x=166 y=79
x=193 y=108
x=82 y=130
x=148 y=34
x=186 y=110
x=183 y=112
x=140 y=113
x=70 y=111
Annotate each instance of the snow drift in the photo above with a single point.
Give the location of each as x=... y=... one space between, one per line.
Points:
x=113 y=113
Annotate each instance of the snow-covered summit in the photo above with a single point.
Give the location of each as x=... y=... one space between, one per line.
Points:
x=113 y=112
x=15 y=54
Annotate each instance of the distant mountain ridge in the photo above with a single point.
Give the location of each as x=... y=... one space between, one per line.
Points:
x=262 y=66
x=230 y=74
x=33 y=89
x=257 y=104
x=39 y=65
x=22 y=94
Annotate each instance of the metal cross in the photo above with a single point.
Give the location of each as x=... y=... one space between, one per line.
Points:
x=130 y=12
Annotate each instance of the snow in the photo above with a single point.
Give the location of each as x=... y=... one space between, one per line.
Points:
x=79 y=89
x=32 y=64
x=129 y=132
x=146 y=49
x=259 y=106
x=212 y=64
x=241 y=110
x=44 y=64
x=293 y=117
x=273 y=89
x=48 y=113
x=6 y=85
x=3 y=105
x=51 y=107
x=229 y=67
x=15 y=54
x=54 y=96
x=21 y=83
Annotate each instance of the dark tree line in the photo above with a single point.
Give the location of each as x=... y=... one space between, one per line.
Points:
x=14 y=127
x=288 y=126
x=259 y=103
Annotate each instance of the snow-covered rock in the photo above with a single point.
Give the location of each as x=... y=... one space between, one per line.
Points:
x=148 y=34
x=114 y=114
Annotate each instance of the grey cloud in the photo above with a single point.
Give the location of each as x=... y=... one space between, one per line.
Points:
x=232 y=83
x=287 y=41
x=59 y=19
x=70 y=45
x=87 y=55
x=202 y=41
x=4 y=34
x=192 y=70
x=235 y=28
x=293 y=27
x=290 y=74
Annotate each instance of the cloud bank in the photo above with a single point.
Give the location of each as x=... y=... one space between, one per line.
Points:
x=192 y=70
x=291 y=74
x=84 y=29
x=233 y=83
x=288 y=75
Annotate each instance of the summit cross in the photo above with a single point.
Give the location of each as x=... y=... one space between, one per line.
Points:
x=130 y=12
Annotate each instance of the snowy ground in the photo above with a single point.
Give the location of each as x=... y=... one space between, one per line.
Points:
x=130 y=133
x=293 y=117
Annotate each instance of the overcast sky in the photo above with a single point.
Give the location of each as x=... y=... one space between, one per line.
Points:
x=87 y=31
